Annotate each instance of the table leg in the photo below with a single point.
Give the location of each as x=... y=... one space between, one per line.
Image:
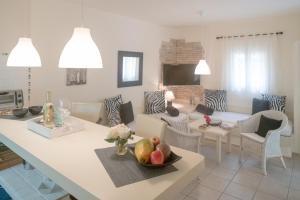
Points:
x=219 y=149
x=228 y=142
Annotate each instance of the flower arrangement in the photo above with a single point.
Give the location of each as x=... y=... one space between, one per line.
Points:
x=207 y=119
x=120 y=134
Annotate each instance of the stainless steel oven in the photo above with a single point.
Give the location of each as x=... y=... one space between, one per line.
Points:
x=11 y=99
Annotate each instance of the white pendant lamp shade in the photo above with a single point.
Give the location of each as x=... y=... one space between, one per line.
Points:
x=24 y=54
x=80 y=51
x=202 y=68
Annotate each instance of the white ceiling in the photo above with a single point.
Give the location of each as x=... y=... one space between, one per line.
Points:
x=186 y=12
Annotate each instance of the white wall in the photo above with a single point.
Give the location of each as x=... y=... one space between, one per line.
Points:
x=297 y=97
x=52 y=23
x=207 y=35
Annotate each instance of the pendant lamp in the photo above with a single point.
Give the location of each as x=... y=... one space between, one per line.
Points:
x=202 y=68
x=24 y=54
x=80 y=51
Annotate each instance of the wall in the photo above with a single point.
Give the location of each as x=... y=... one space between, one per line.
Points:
x=206 y=34
x=52 y=23
x=296 y=141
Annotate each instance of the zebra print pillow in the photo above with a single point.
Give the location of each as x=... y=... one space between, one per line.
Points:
x=276 y=102
x=216 y=99
x=154 y=102
x=112 y=108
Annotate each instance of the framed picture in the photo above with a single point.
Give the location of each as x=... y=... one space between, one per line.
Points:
x=76 y=76
x=130 y=68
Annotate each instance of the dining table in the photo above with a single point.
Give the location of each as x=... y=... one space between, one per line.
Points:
x=71 y=162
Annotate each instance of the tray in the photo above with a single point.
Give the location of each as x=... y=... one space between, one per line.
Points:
x=71 y=125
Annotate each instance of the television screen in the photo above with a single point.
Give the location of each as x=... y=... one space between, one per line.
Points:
x=182 y=74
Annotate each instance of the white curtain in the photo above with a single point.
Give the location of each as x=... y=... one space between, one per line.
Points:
x=249 y=64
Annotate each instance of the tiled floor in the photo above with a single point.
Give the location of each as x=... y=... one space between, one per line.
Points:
x=231 y=180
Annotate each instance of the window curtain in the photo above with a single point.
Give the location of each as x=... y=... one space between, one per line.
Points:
x=249 y=64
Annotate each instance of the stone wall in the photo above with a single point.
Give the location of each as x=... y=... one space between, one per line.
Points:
x=177 y=51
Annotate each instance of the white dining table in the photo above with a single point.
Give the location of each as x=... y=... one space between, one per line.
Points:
x=70 y=161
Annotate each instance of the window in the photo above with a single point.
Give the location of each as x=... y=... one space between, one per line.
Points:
x=130 y=68
x=248 y=64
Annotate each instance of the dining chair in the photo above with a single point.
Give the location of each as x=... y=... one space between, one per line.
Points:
x=148 y=126
x=270 y=145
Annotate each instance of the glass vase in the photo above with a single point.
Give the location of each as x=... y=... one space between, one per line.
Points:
x=121 y=148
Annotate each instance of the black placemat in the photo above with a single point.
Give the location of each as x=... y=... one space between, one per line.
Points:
x=124 y=170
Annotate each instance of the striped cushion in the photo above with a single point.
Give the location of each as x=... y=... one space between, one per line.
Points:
x=112 y=109
x=154 y=102
x=216 y=99
x=276 y=102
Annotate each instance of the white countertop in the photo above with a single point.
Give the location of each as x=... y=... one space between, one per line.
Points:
x=71 y=162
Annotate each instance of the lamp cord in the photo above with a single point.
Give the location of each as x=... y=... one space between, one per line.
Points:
x=29 y=87
x=82 y=20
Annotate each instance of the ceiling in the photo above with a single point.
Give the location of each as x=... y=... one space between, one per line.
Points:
x=194 y=12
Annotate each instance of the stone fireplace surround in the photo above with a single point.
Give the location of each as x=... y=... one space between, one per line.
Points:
x=178 y=51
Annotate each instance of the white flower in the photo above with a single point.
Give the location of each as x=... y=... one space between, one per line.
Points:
x=123 y=131
x=120 y=131
x=113 y=133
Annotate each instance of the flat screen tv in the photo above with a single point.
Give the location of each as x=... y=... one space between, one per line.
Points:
x=182 y=74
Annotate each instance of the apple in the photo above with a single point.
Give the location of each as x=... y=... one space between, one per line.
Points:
x=155 y=141
x=157 y=157
x=165 y=149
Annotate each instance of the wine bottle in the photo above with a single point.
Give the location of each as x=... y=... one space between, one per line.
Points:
x=48 y=110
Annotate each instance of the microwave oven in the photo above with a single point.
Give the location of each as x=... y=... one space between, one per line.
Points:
x=11 y=99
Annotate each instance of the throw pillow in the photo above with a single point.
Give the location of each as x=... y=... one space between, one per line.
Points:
x=276 y=102
x=172 y=111
x=216 y=99
x=112 y=109
x=204 y=109
x=267 y=124
x=154 y=102
x=126 y=112
x=259 y=105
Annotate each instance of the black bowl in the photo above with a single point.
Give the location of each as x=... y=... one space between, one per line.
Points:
x=171 y=160
x=35 y=110
x=20 y=112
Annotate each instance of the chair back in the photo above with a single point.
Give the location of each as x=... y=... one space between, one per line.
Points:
x=147 y=126
x=273 y=114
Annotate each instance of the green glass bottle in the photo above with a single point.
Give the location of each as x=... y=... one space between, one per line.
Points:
x=48 y=109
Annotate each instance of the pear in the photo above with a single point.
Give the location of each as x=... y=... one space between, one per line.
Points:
x=143 y=150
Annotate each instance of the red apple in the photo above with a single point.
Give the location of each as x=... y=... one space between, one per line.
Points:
x=155 y=141
x=157 y=157
x=165 y=149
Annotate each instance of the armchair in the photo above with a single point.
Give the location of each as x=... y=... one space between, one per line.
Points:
x=188 y=141
x=271 y=143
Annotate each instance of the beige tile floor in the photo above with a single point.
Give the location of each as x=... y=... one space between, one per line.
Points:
x=231 y=180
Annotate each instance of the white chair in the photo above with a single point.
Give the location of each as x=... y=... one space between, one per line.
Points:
x=270 y=145
x=147 y=126
x=188 y=141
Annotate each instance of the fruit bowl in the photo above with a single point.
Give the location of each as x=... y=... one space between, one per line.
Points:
x=171 y=159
